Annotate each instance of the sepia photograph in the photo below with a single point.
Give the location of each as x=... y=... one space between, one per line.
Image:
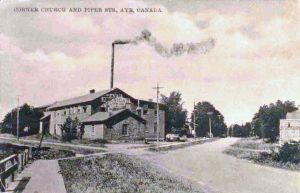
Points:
x=146 y=96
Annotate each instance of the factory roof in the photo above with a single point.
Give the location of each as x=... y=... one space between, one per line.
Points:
x=81 y=99
x=91 y=97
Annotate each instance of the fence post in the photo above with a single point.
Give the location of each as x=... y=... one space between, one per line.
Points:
x=13 y=174
x=3 y=184
x=30 y=152
x=19 y=162
x=27 y=155
x=22 y=161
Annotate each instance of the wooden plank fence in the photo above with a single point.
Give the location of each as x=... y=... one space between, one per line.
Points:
x=10 y=166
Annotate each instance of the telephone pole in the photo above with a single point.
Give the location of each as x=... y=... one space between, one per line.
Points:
x=209 y=119
x=18 y=120
x=195 y=121
x=157 y=110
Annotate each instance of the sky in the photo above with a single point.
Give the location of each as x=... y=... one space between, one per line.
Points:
x=47 y=57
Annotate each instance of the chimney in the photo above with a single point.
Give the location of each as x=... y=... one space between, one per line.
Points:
x=112 y=66
x=92 y=91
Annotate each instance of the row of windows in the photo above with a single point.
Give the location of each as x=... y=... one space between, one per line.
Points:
x=144 y=112
x=72 y=110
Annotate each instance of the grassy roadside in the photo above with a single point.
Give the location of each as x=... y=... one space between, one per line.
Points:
x=179 y=145
x=257 y=151
x=118 y=173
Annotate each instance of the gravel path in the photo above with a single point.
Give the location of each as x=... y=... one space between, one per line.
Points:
x=217 y=172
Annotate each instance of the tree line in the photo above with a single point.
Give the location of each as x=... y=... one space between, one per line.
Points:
x=264 y=124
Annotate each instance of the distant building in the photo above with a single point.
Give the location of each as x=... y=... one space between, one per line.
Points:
x=110 y=114
x=290 y=127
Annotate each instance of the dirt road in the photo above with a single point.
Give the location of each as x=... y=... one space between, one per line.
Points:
x=217 y=172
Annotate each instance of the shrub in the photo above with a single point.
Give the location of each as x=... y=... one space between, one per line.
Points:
x=289 y=152
x=67 y=137
x=101 y=141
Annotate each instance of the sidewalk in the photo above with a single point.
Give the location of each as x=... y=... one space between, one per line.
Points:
x=44 y=177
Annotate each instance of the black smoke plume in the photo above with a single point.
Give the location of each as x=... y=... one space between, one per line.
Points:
x=177 y=49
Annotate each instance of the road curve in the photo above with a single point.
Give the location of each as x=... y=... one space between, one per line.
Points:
x=215 y=171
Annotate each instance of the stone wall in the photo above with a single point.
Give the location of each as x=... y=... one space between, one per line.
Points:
x=289 y=130
x=136 y=130
x=93 y=131
x=150 y=117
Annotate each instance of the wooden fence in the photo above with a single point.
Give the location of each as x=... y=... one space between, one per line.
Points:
x=10 y=166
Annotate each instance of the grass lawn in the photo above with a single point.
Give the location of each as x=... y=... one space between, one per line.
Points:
x=118 y=173
x=258 y=151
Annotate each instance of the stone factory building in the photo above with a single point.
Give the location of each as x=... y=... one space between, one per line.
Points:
x=290 y=127
x=110 y=114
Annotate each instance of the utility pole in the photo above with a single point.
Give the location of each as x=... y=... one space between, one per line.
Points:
x=18 y=120
x=195 y=121
x=209 y=118
x=157 y=110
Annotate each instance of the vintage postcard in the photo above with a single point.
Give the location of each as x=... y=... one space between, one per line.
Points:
x=145 y=96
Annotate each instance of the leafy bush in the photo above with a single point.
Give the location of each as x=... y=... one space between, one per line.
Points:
x=101 y=141
x=289 y=152
x=68 y=137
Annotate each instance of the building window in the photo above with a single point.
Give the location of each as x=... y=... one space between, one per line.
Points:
x=54 y=114
x=57 y=114
x=155 y=127
x=78 y=110
x=139 y=112
x=102 y=109
x=93 y=129
x=155 y=112
x=65 y=112
x=145 y=111
x=289 y=124
x=84 y=109
x=125 y=129
x=54 y=129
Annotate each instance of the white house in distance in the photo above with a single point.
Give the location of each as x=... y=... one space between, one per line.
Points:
x=289 y=129
x=110 y=114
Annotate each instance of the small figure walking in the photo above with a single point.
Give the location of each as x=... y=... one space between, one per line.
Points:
x=81 y=131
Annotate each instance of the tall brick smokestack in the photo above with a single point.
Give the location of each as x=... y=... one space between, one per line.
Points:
x=113 y=59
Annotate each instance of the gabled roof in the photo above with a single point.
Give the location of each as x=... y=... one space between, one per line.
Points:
x=81 y=99
x=293 y=115
x=92 y=96
x=114 y=117
x=100 y=116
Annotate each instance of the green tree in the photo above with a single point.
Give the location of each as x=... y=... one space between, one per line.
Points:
x=202 y=110
x=266 y=120
x=29 y=119
x=69 y=129
x=175 y=114
x=240 y=130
